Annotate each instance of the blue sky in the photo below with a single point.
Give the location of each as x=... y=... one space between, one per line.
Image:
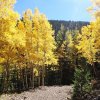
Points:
x=74 y=10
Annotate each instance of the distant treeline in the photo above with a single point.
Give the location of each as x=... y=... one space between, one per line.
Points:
x=68 y=25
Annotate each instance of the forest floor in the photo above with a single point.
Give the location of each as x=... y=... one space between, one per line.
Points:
x=42 y=93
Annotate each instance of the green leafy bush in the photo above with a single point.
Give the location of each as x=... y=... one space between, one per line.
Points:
x=82 y=84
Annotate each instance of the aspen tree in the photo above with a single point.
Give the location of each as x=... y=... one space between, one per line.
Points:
x=8 y=37
x=89 y=42
x=45 y=41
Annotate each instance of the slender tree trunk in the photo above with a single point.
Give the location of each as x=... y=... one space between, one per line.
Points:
x=17 y=78
x=33 y=78
x=22 y=75
x=61 y=69
x=32 y=73
x=43 y=75
x=26 y=77
x=6 y=83
x=95 y=74
x=43 y=68
x=39 y=78
x=7 y=72
x=4 y=86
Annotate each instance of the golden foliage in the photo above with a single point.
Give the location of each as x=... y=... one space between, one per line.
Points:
x=89 y=41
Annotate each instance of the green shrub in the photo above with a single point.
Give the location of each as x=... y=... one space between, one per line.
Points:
x=82 y=84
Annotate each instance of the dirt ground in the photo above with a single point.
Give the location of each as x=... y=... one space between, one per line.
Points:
x=42 y=93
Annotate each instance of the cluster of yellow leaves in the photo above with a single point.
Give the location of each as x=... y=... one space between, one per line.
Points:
x=39 y=43
x=70 y=40
x=89 y=41
x=29 y=39
x=95 y=8
x=9 y=36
